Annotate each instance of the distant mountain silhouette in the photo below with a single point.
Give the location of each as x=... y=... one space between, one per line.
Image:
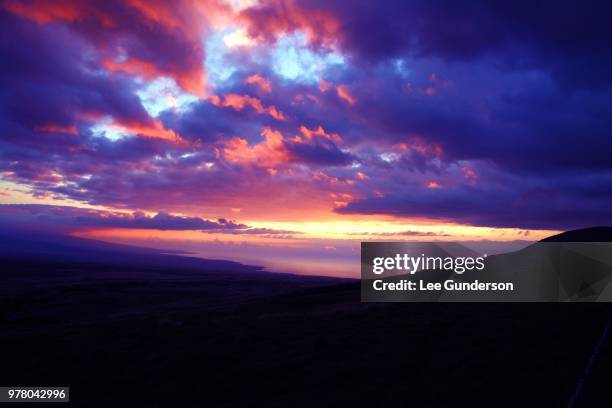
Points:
x=18 y=246
x=593 y=234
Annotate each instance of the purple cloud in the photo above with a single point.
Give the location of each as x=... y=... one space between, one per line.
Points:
x=67 y=218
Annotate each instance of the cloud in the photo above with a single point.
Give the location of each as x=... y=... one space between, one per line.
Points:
x=519 y=34
x=566 y=203
x=270 y=20
x=314 y=148
x=70 y=95
x=345 y=94
x=239 y=102
x=147 y=39
x=407 y=233
x=74 y=218
x=319 y=151
x=263 y=84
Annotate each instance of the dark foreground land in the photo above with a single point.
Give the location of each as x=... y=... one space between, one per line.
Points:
x=140 y=329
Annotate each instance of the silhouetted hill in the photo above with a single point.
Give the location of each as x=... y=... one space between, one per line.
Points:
x=593 y=234
x=18 y=246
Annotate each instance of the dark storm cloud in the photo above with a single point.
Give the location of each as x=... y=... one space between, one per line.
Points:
x=318 y=152
x=565 y=203
x=566 y=37
x=519 y=120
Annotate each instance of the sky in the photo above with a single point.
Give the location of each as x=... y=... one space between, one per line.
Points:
x=286 y=132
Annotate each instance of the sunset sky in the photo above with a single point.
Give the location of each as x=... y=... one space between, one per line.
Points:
x=288 y=131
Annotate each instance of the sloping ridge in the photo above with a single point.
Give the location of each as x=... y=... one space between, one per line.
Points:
x=18 y=247
x=592 y=234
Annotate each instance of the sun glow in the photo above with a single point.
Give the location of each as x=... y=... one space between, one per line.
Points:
x=297 y=233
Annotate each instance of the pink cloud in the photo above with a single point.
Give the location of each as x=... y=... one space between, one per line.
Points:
x=263 y=84
x=239 y=102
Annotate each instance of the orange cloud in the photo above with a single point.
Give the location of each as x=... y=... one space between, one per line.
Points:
x=273 y=151
x=324 y=85
x=345 y=95
x=260 y=81
x=362 y=176
x=193 y=81
x=266 y=154
x=239 y=102
x=272 y=111
x=133 y=66
x=309 y=134
x=322 y=176
x=153 y=130
x=342 y=91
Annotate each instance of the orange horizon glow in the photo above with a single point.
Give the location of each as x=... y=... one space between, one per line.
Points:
x=309 y=222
